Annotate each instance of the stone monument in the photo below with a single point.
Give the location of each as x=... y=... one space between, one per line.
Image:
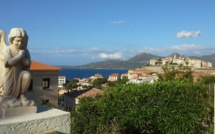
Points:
x=16 y=111
x=15 y=77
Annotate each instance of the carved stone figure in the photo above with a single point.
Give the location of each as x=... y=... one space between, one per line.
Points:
x=15 y=62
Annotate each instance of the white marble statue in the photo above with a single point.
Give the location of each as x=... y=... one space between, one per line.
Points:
x=15 y=62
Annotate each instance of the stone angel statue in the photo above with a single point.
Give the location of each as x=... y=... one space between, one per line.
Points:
x=15 y=62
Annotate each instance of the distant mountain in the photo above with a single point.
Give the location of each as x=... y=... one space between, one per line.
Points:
x=132 y=63
x=113 y=64
x=139 y=61
x=174 y=54
x=209 y=58
x=143 y=58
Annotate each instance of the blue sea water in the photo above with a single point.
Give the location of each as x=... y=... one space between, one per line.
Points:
x=71 y=73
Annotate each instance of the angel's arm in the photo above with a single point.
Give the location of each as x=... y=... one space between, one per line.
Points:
x=9 y=60
x=27 y=59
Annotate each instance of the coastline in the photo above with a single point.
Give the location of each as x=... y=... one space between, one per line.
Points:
x=79 y=67
x=71 y=73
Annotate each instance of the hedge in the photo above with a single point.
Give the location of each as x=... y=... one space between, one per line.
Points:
x=169 y=107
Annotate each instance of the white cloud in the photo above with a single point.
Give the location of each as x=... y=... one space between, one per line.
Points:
x=117 y=55
x=185 y=47
x=53 y=50
x=188 y=34
x=118 y=22
x=66 y=50
x=150 y=50
x=95 y=49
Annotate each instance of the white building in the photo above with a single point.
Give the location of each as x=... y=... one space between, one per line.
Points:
x=61 y=81
x=150 y=79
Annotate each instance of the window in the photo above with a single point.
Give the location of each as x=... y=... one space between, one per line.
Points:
x=46 y=83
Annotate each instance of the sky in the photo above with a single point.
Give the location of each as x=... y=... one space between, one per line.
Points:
x=77 y=32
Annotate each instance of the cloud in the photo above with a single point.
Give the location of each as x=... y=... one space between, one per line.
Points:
x=186 y=47
x=62 y=50
x=118 y=22
x=116 y=55
x=94 y=49
x=150 y=50
x=187 y=34
x=53 y=50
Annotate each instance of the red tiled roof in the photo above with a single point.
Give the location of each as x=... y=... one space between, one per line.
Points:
x=114 y=74
x=43 y=67
x=98 y=75
x=91 y=93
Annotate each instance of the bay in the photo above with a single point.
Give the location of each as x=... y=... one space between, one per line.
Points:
x=71 y=73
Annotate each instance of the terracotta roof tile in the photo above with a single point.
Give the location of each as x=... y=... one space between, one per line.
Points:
x=114 y=74
x=43 y=67
x=91 y=93
x=84 y=93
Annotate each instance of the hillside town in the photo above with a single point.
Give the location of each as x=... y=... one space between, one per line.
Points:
x=55 y=86
x=149 y=73
x=146 y=74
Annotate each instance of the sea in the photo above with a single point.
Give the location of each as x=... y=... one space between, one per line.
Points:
x=71 y=73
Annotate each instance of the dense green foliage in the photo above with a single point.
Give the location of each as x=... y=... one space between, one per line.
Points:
x=119 y=81
x=179 y=72
x=97 y=83
x=207 y=79
x=168 y=107
x=71 y=84
x=209 y=82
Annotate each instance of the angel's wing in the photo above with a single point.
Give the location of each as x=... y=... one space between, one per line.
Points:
x=2 y=45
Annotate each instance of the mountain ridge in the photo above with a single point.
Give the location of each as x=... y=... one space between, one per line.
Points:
x=136 y=61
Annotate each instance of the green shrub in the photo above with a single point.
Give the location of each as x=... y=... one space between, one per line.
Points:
x=172 y=107
x=179 y=72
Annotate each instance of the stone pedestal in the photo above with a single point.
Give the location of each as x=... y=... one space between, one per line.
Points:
x=44 y=121
x=17 y=111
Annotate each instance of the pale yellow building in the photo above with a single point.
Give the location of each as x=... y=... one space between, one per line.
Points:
x=113 y=77
x=137 y=73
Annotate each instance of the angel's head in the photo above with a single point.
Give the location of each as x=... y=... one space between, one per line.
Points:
x=18 y=38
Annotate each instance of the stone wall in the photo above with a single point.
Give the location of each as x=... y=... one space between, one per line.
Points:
x=38 y=93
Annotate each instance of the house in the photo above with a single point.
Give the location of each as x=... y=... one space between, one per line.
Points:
x=141 y=76
x=61 y=81
x=44 y=83
x=113 y=77
x=84 y=83
x=146 y=79
x=71 y=99
x=137 y=73
x=96 y=76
